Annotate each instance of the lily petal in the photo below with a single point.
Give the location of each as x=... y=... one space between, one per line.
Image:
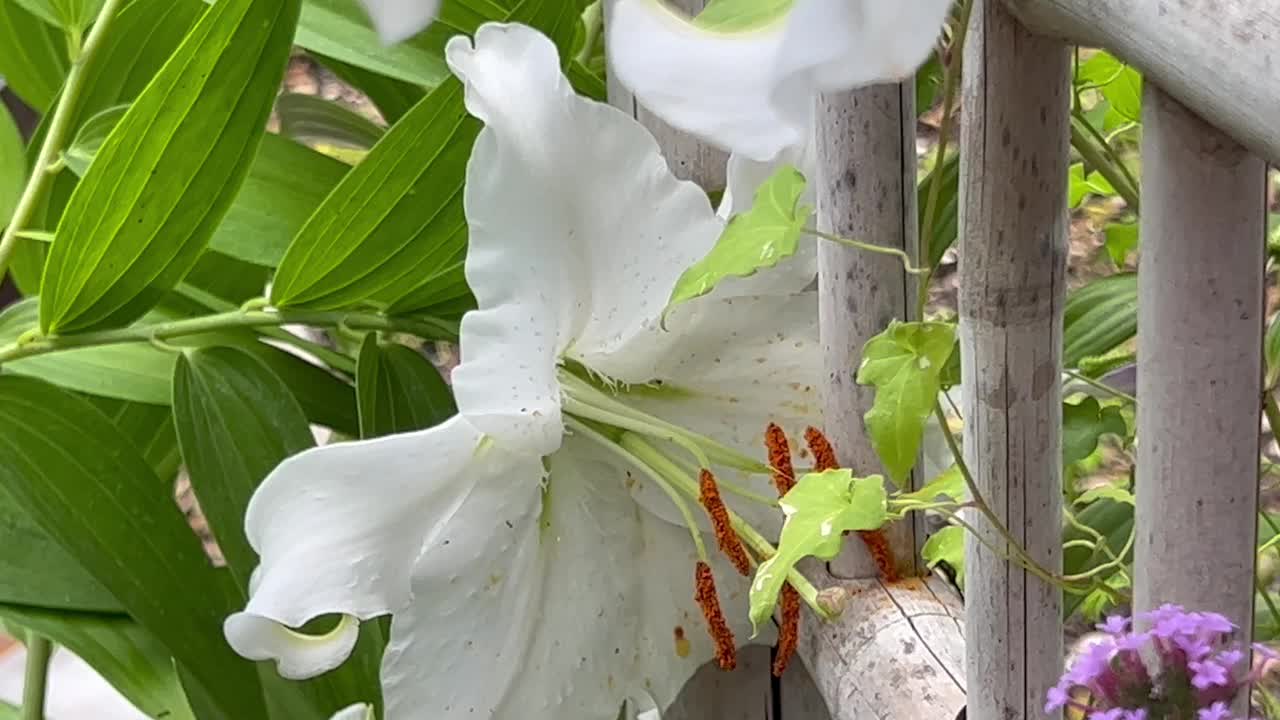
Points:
x=734 y=366
x=752 y=92
x=398 y=20
x=359 y=711
x=841 y=44
x=578 y=230
x=338 y=529
x=715 y=85
x=549 y=605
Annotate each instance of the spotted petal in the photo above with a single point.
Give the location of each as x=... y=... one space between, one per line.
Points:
x=338 y=529
x=544 y=604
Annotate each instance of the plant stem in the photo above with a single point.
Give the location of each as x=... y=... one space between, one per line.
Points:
x=1101 y=386
x=1096 y=152
x=906 y=259
x=59 y=126
x=1028 y=562
x=23 y=348
x=39 y=651
x=949 y=83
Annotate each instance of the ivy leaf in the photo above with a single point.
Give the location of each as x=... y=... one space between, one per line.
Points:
x=1084 y=423
x=950 y=484
x=758 y=238
x=905 y=364
x=1121 y=239
x=946 y=546
x=167 y=173
x=819 y=509
x=1120 y=84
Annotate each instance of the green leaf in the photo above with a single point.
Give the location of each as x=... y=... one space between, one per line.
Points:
x=73 y=15
x=166 y=175
x=120 y=650
x=819 y=510
x=237 y=421
x=9 y=711
x=1099 y=317
x=741 y=15
x=13 y=166
x=946 y=546
x=1119 y=83
x=145 y=33
x=149 y=427
x=134 y=371
x=64 y=463
x=759 y=238
x=1109 y=492
x=311 y=119
x=1121 y=239
x=950 y=484
x=89 y=139
x=393 y=233
x=946 y=219
x=1271 y=352
x=390 y=226
x=286 y=183
x=399 y=390
x=1109 y=518
x=36 y=571
x=905 y=364
x=33 y=56
x=1083 y=423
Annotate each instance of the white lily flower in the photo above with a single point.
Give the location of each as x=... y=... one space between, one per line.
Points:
x=752 y=91
x=399 y=20
x=536 y=567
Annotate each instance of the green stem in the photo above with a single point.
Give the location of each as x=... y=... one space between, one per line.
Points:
x=39 y=651
x=869 y=247
x=623 y=450
x=31 y=346
x=650 y=455
x=59 y=127
x=1101 y=386
x=949 y=83
x=1028 y=562
x=1096 y=152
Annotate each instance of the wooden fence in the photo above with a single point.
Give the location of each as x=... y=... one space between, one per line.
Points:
x=1211 y=123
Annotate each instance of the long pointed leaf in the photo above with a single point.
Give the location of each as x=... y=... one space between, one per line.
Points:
x=169 y=170
x=79 y=479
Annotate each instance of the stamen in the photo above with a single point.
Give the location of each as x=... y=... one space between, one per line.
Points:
x=789 y=631
x=784 y=475
x=709 y=601
x=824 y=458
x=728 y=540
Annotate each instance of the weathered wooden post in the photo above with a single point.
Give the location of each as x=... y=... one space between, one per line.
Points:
x=1013 y=231
x=897 y=651
x=1200 y=318
x=1218 y=58
x=866 y=188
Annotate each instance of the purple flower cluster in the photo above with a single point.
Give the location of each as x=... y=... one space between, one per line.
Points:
x=1193 y=670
